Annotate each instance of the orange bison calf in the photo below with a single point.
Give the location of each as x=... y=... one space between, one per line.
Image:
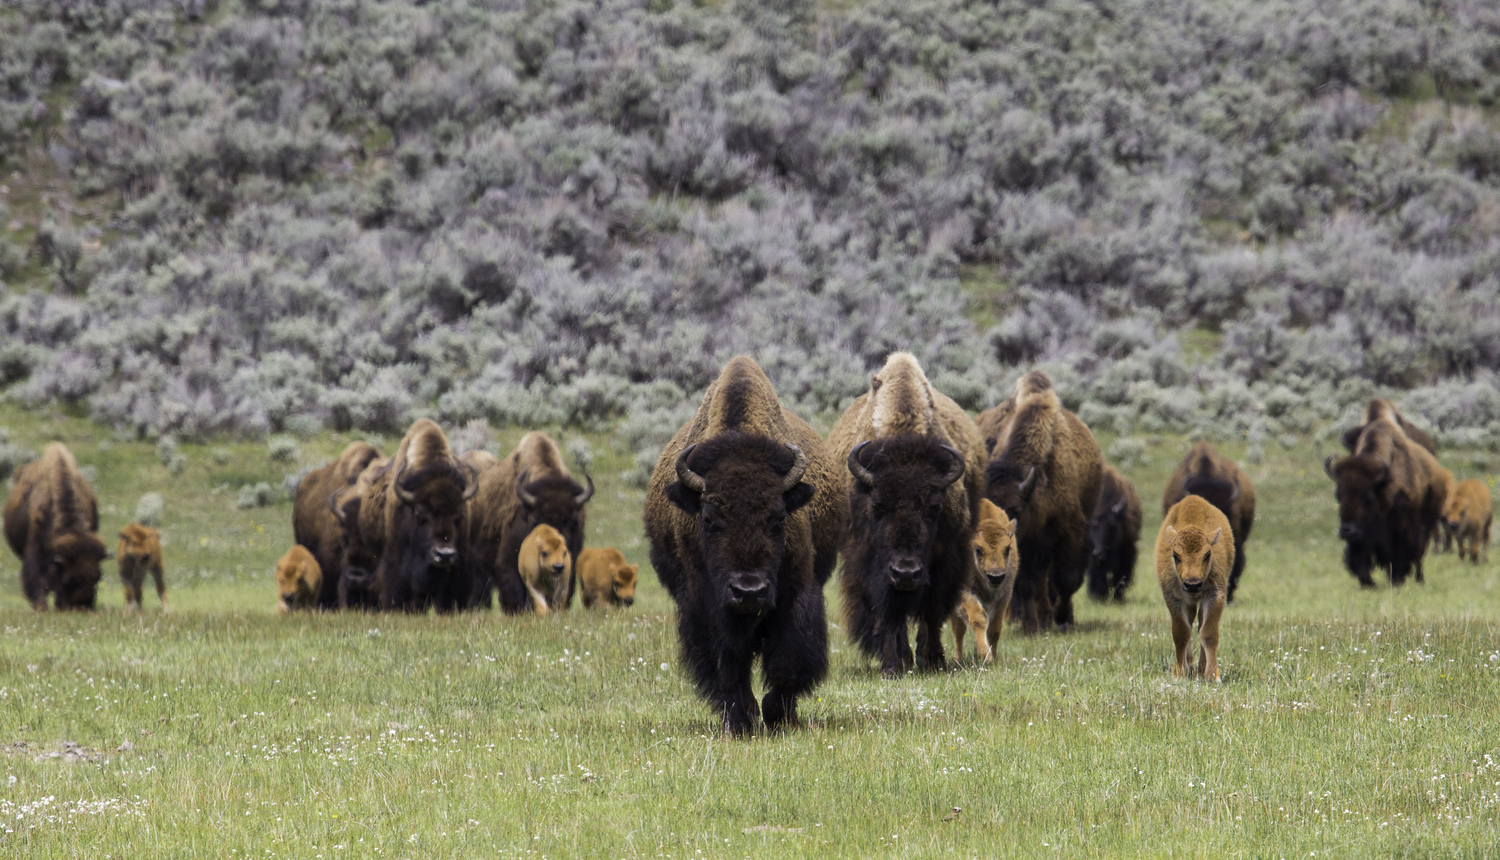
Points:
x=604 y=575
x=1194 y=553
x=986 y=598
x=1467 y=517
x=139 y=553
x=299 y=578
x=544 y=563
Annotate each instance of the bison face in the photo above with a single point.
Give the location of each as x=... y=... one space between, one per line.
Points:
x=431 y=514
x=624 y=583
x=904 y=481
x=1192 y=556
x=1107 y=529
x=75 y=570
x=1359 y=483
x=741 y=489
x=359 y=559
x=995 y=553
x=1011 y=486
x=556 y=501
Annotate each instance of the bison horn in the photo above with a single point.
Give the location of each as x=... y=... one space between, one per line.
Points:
x=687 y=477
x=1119 y=507
x=333 y=505
x=582 y=498
x=1328 y=465
x=402 y=494
x=1029 y=484
x=956 y=468
x=799 y=466
x=865 y=476
x=473 y=486
x=526 y=498
x=1236 y=493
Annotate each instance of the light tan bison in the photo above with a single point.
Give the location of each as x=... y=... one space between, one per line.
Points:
x=299 y=579
x=1467 y=517
x=986 y=599
x=544 y=562
x=1194 y=554
x=603 y=574
x=139 y=553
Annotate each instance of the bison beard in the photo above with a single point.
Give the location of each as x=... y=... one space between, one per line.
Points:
x=739 y=591
x=904 y=557
x=421 y=564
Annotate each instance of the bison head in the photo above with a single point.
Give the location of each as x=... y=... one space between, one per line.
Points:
x=995 y=553
x=904 y=479
x=1216 y=491
x=741 y=489
x=1012 y=484
x=431 y=514
x=137 y=544
x=555 y=500
x=75 y=569
x=359 y=559
x=1360 y=482
x=1192 y=556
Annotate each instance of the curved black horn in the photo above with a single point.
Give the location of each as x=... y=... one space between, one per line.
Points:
x=1029 y=484
x=473 y=486
x=956 y=469
x=1328 y=465
x=799 y=466
x=687 y=477
x=402 y=494
x=526 y=498
x=583 y=497
x=863 y=475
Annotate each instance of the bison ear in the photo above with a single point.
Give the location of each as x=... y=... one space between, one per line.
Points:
x=797 y=496
x=1384 y=477
x=1010 y=529
x=1171 y=533
x=689 y=501
x=1214 y=538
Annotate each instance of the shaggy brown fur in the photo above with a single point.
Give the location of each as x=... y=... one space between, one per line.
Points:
x=1045 y=472
x=361 y=538
x=986 y=598
x=500 y=520
x=1114 y=532
x=421 y=559
x=604 y=575
x=139 y=553
x=1379 y=409
x=315 y=523
x=744 y=556
x=1207 y=473
x=1390 y=499
x=1194 y=553
x=544 y=562
x=993 y=423
x=906 y=558
x=299 y=579
x=1467 y=517
x=1442 y=536
x=52 y=524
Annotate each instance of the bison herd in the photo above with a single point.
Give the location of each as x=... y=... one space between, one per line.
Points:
x=939 y=518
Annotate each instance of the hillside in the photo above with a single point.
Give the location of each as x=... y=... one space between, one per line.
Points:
x=288 y=215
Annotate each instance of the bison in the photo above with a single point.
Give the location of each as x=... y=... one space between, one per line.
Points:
x=1390 y=499
x=744 y=519
x=1193 y=560
x=361 y=538
x=528 y=488
x=315 y=520
x=1044 y=472
x=1114 y=531
x=138 y=554
x=1379 y=409
x=1467 y=517
x=299 y=580
x=986 y=597
x=424 y=493
x=544 y=562
x=52 y=524
x=603 y=574
x=913 y=483
x=1207 y=473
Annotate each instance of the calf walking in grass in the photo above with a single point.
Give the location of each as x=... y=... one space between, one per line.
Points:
x=139 y=554
x=985 y=600
x=544 y=562
x=1194 y=554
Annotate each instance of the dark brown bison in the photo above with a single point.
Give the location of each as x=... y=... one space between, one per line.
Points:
x=425 y=490
x=52 y=525
x=315 y=522
x=1044 y=472
x=744 y=517
x=1114 y=532
x=1390 y=500
x=1380 y=409
x=360 y=512
x=528 y=488
x=1207 y=473
x=914 y=464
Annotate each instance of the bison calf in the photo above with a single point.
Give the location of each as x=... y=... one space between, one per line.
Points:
x=299 y=578
x=986 y=598
x=604 y=575
x=1194 y=554
x=1210 y=475
x=1467 y=517
x=544 y=562
x=139 y=553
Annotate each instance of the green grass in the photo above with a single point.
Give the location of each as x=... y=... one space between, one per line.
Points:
x=1351 y=723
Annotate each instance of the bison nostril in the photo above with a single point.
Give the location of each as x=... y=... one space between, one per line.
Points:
x=557 y=568
x=629 y=601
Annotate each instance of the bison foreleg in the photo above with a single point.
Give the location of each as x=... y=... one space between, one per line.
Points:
x=895 y=647
x=740 y=709
x=1182 y=632
x=1357 y=559
x=930 y=657
x=794 y=658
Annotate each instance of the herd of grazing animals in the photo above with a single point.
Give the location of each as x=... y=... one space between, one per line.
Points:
x=938 y=518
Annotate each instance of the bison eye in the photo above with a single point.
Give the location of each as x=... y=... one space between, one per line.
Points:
x=1176 y=559
x=979 y=553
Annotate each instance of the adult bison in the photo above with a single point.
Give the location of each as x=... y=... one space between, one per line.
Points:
x=744 y=518
x=529 y=488
x=1045 y=471
x=425 y=491
x=1379 y=409
x=360 y=512
x=1114 y=531
x=1207 y=473
x=1390 y=499
x=913 y=482
x=315 y=522
x=52 y=524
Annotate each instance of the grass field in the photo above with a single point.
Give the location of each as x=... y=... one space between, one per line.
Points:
x=1350 y=723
